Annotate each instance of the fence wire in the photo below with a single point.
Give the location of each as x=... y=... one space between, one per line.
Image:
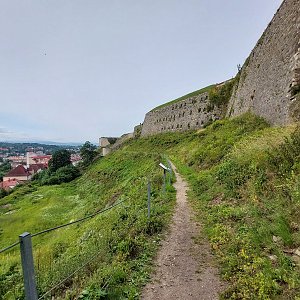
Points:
x=90 y=260
x=79 y=220
x=64 y=225
x=9 y=247
x=68 y=277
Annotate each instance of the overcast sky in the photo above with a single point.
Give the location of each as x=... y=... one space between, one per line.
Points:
x=72 y=70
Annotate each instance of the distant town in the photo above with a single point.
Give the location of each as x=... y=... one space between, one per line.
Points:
x=19 y=162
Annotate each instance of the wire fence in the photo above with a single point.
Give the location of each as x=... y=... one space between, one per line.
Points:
x=27 y=256
x=26 y=251
x=68 y=277
x=10 y=247
x=79 y=220
x=63 y=225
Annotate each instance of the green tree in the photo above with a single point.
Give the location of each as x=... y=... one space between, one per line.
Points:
x=88 y=153
x=60 y=158
x=3 y=193
x=63 y=174
x=4 y=168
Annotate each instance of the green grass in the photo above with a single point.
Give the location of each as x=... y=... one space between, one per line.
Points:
x=245 y=200
x=245 y=189
x=123 y=238
x=195 y=93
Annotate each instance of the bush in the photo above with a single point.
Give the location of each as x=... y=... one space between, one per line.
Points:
x=220 y=95
x=3 y=193
x=4 y=168
x=233 y=175
x=64 y=174
x=283 y=157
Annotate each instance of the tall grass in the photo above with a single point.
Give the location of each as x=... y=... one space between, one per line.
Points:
x=245 y=188
x=245 y=180
x=122 y=240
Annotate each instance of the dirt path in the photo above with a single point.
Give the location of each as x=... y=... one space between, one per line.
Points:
x=183 y=269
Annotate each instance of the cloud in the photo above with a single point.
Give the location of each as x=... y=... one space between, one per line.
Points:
x=4 y=130
x=9 y=135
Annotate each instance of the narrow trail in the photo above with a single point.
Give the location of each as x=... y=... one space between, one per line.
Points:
x=183 y=269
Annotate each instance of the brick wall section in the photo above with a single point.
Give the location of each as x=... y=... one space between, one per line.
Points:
x=190 y=113
x=273 y=67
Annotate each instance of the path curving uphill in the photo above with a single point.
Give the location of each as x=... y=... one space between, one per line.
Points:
x=183 y=269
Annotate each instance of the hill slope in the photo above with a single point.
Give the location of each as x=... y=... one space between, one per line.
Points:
x=122 y=240
x=245 y=180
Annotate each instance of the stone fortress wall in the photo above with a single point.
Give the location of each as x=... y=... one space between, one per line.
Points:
x=190 y=113
x=272 y=71
x=108 y=144
x=266 y=84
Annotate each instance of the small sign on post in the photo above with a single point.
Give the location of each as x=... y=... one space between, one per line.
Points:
x=28 y=266
x=170 y=172
x=165 y=175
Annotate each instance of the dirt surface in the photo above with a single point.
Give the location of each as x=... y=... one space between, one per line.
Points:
x=184 y=266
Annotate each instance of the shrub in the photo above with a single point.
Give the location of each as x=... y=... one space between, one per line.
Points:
x=220 y=95
x=64 y=174
x=283 y=157
x=3 y=193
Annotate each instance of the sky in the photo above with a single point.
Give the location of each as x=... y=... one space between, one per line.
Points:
x=76 y=70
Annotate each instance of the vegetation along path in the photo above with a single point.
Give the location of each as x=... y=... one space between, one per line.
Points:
x=183 y=268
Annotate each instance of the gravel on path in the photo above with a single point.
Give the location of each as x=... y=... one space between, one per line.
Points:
x=184 y=268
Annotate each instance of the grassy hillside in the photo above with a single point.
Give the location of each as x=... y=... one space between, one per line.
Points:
x=249 y=201
x=245 y=182
x=245 y=189
x=122 y=240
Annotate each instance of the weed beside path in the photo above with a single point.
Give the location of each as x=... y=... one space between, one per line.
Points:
x=184 y=266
